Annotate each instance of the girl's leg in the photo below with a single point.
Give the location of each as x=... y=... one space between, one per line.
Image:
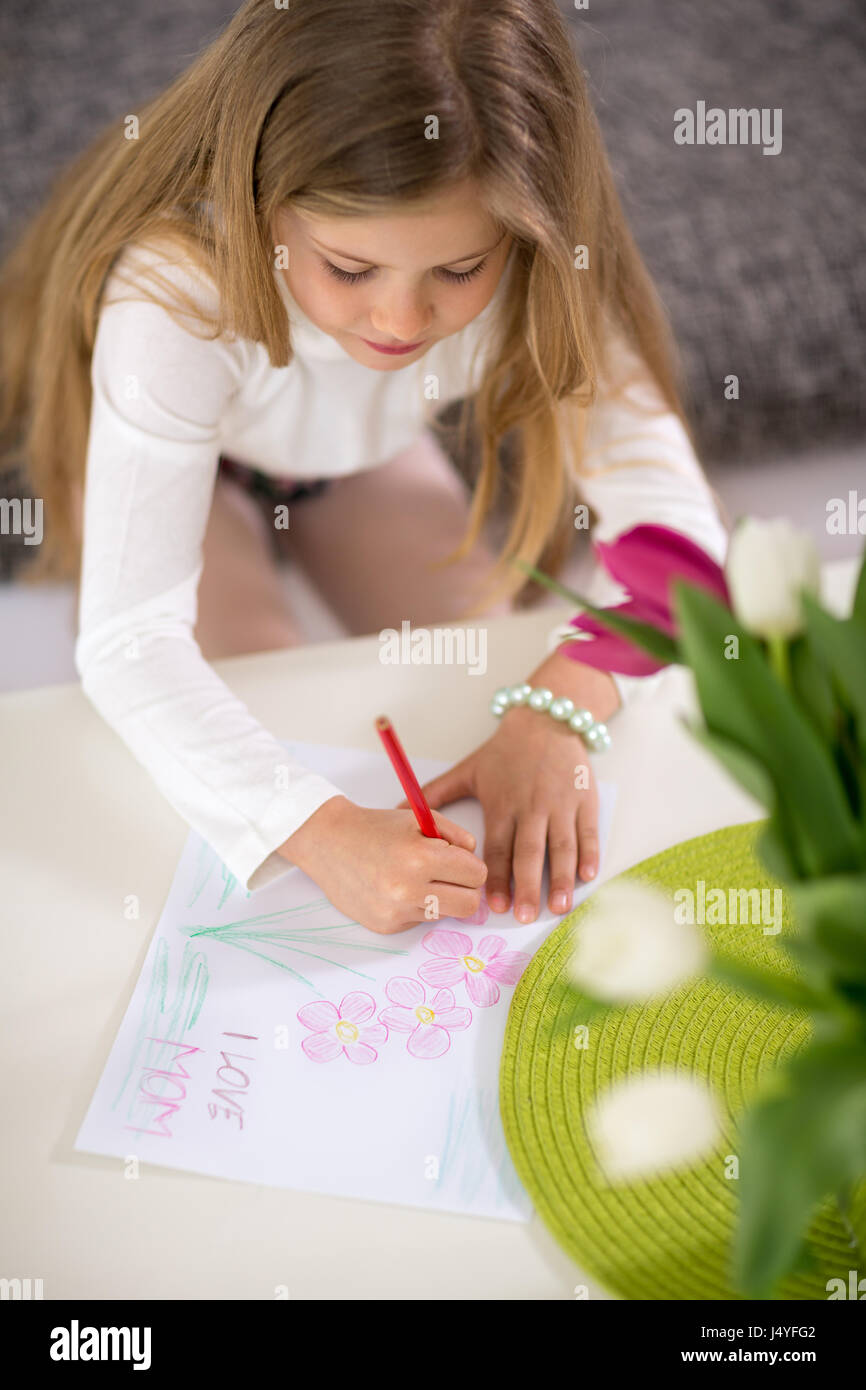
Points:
x=366 y=543
x=241 y=603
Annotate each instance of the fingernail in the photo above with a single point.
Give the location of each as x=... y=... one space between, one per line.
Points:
x=525 y=913
x=498 y=902
x=588 y=870
x=559 y=902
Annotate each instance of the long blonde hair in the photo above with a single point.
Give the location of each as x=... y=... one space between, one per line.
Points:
x=325 y=105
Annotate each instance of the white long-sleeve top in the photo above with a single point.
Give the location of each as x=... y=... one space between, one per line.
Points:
x=166 y=403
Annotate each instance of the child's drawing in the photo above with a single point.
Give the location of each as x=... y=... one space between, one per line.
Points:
x=205 y=861
x=345 y=1029
x=218 y=1066
x=481 y=968
x=317 y=943
x=429 y=1023
x=169 y=1009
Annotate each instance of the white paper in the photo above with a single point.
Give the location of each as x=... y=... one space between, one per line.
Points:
x=208 y=1072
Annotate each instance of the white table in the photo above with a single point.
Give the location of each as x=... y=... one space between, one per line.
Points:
x=83 y=827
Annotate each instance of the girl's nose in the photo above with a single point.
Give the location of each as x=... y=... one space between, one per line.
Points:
x=406 y=318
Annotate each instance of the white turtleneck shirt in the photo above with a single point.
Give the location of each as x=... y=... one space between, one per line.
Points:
x=166 y=403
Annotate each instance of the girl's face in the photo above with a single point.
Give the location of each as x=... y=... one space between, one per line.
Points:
x=388 y=287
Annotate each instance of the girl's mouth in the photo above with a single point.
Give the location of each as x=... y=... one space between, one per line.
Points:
x=397 y=350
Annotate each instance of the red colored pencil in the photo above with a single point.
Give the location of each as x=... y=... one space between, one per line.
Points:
x=408 y=780
x=418 y=802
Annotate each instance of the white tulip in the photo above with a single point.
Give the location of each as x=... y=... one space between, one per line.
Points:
x=629 y=947
x=769 y=565
x=652 y=1123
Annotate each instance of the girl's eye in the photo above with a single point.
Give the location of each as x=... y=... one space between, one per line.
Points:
x=350 y=277
x=460 y=277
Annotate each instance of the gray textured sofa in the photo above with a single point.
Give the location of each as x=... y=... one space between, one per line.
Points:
x=759 y=258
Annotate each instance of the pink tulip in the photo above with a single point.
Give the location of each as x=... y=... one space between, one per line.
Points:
x=645 y=561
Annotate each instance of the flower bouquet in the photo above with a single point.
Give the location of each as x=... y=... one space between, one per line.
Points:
x=781 y=684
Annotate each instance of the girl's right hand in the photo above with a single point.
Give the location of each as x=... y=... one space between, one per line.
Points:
x=378 y=868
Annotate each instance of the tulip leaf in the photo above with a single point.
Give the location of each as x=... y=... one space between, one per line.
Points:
x=813 y=687
x=841 y=644
x=743 y=701
x=854 y=992
x=802 y=1144
x=766 y=984
x=831 y=914
x=643 y=635
x=858 y=611
x=774 y=847
x=818 y=968
x=741 y=765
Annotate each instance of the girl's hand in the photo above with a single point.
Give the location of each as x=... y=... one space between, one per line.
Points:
x=524 y=776
x=379 y=869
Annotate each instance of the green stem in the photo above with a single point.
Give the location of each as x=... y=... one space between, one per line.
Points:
x=777 y=648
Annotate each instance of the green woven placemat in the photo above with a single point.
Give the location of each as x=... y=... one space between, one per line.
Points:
x=667 y=1237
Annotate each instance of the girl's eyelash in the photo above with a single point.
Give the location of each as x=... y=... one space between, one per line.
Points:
x=355 y=277
x=461 y=276
x=350 y=277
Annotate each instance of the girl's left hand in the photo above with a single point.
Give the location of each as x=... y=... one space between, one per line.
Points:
x=524 y=776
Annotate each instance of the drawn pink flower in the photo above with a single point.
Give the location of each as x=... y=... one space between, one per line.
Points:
x=482 y=968
x=428 y=1023
x=342 y=1030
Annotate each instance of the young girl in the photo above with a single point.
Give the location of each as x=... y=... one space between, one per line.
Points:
x=345 y=215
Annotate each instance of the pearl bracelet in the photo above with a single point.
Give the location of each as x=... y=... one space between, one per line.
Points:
x=595 y=735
